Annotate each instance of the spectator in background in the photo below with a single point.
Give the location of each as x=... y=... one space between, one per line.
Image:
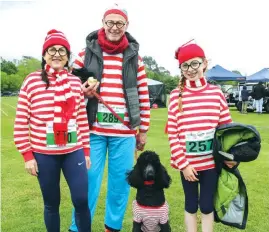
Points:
x=267 y=90
x=259 y=94
x=244 y=96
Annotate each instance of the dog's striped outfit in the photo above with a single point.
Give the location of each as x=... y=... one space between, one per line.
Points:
x=150 y=217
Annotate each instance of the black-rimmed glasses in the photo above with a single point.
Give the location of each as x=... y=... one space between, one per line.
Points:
x=119 y=24
x=195 y=64
x=52 y=51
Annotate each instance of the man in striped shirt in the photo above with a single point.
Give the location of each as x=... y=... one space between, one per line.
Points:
x=196 y=108
x=112 y=56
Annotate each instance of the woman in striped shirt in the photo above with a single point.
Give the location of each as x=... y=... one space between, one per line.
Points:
x=51 y=132
x=196 y=108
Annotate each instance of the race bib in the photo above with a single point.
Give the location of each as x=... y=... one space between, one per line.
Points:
x=106 y=118
x=199 y=142
x=72 y=135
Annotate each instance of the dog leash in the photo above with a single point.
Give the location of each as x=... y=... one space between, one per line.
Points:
x=110 y=109
x=119 y=118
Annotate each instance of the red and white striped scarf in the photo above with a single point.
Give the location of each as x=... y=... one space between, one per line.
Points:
x=197 y=83
x=64 y=105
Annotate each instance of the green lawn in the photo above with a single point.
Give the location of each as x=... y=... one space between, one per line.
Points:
x=22 y=208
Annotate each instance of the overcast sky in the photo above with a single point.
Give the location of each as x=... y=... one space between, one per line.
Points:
x=233 y=33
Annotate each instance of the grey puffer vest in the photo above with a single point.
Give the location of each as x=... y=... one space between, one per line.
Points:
x=94 y=63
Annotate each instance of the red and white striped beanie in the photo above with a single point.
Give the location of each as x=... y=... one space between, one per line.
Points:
x=55 y=37
x=115 y=9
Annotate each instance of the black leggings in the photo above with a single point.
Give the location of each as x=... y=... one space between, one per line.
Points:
x=74 y=169
x=208 y=184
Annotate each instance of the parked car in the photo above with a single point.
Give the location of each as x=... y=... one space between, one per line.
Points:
x=6 y=94
x=232 y=95
x=9 y=93
x=14 y=94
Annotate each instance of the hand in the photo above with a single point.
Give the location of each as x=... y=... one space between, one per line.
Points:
x=141 y=141
x=189 y=173
x=88 y=162
x=89 y=89
x=230 y=164
x=31 y=167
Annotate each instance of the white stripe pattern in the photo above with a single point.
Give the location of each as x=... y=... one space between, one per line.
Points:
x=114 y=95
x=203 y=109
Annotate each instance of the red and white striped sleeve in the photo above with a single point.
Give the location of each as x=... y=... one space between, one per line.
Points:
x=143 y=93
x=136 y=212
x=178 y=159
x=83 y=125
x=225 y=116
x=79 y=60
x=21 y=125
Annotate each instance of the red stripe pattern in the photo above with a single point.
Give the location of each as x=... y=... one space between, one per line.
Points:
x=111 y=90
x=204 y=109
x=150 y=217
x=35 y=109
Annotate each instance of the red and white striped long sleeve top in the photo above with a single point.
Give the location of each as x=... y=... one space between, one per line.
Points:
x=190 y=131
x=111 y=90
x=150 y=217
x=35 y=109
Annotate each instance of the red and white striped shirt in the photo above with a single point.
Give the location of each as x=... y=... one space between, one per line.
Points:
x=35 y=109
x=203 y=110
x=111 y=90
x=150 y=217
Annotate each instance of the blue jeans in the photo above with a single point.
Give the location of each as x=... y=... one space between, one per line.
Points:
x=120 y=160
x=74 y=169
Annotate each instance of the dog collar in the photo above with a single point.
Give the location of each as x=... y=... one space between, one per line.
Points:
x=148 y=182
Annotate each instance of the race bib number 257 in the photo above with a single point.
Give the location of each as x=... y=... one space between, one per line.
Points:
x=199 y=142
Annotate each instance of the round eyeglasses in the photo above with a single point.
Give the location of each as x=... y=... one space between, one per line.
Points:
x=52 y=51
x=119 y=24
x=195 y=64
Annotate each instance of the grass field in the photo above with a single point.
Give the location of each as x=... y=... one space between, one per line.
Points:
x=22 y=207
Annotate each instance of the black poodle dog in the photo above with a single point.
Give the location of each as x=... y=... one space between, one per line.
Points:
x=150 y=210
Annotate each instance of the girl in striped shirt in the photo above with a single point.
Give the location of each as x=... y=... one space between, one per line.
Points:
x=51 y=132
x=196 y=108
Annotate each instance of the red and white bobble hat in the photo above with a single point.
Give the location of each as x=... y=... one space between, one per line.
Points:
x=115 y=9
x=55 y=37
x=188 y=51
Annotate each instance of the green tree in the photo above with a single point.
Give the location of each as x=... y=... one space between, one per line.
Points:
x=151 y=64
x=28 y=65
x=8 y=67
x=4 y=82
x=159 y=73
x=11 y=80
